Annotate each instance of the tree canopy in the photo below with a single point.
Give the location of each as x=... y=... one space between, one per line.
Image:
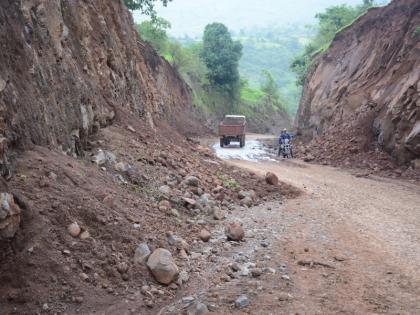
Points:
x=221 y=55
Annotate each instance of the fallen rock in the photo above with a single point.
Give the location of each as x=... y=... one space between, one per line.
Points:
x=218 y=214
x=102 y=157
x=192 y=181
x=122 y=167
x=205 y=235
x=235 y=232
x=9 y=216
x=198 y=309
x=84 y=235
x=256 y=272
x=242 y=301
x=165 y=190
x=190 y=203
x=74 y=229
x=141 y=254
x=308 y=158
x=271 y=179
x=162 y=266
x=247 y=201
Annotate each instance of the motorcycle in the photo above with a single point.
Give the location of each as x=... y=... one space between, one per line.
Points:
x=286 y=149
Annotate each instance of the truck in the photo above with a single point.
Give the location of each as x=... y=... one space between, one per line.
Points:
x=232 y=128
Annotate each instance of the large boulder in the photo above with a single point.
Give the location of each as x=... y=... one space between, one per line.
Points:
x=162 y=266
x=9 y=216
x=271 y=179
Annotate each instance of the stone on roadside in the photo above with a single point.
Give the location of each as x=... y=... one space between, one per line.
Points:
x=165 y=190
x=242 y=301
x=205 y=235
x=84 y=235
x=271 y=179
x=218 y=214
x=162 y=266
x=122 y=167
x=74 y=229
x=141 y=254
x=234 y=232
x=192 y=181
x=198 y=309
x=247 y=201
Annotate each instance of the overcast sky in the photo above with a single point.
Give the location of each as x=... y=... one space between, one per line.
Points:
x=191 y=16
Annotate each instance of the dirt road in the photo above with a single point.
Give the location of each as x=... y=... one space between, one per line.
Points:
x=347 y=245
x=366 y=229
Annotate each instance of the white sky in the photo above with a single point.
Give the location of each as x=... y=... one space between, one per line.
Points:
x=191 y=16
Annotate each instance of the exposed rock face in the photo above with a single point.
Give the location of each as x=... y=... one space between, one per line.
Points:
x=68 y=66
x=9 y=216
x=366 y=87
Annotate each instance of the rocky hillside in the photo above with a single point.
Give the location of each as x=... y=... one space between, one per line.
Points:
x=67 y=67
x=363 y=93
x=97 y=172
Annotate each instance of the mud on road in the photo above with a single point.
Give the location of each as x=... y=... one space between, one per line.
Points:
x=347 y=245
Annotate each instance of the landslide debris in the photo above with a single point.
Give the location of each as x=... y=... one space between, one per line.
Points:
x=360 y=103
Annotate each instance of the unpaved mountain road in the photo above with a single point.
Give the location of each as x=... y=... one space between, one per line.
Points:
x=347 y=245
x=367 y=229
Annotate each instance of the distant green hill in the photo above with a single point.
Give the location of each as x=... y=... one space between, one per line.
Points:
x=273 y=49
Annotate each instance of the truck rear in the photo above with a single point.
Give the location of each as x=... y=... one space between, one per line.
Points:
x=232 y=128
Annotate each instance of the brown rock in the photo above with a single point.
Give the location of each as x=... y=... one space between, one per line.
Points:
x=74 y=229
x=162 y=266
x=271 y=179
x=235 y=232
x=205 y=235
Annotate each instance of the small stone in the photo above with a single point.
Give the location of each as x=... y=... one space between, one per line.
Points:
x=283 y=296
x=175 y=213
x=242 y=301
x=247 y=201
x=218 y=214
x=122 y=167
x=192 y=181
x=164 y=204
x=256 y=272
x=205 y=235
x=271 y=179
x=285 y=277
x=165 y=190
x=163 y=266
x=66 y=252
x=234 y=232
x=122 y=267
x=198 y=309
x=74 y=229
x=84 y=276
x=84 y=235
x=235 y=267
x=45 y=307
x=141 y=254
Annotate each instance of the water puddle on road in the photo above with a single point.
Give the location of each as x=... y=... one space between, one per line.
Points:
x=254 y=150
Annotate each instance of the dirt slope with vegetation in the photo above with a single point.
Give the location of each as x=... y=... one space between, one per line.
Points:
x=361 y=96
x=97 y=171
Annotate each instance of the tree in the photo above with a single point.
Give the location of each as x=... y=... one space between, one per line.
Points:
x=154 y=32
x=221 y=55
x=145 y=6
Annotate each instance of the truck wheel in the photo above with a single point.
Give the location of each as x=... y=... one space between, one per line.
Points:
x=222 y=143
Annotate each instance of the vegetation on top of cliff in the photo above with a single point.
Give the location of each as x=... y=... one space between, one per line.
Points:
x=145 y=6
x=330 y=22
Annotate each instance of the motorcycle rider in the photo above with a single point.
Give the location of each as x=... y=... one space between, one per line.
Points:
x=283 y=136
